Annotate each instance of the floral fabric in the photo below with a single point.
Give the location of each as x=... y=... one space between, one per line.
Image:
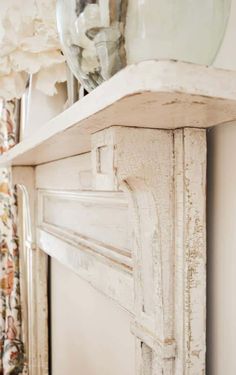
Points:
x=7 y=125
x=12 y=354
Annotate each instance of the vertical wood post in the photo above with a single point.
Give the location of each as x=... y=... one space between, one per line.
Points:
x=34 y=276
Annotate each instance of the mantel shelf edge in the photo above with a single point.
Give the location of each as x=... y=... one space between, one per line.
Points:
x=151 y=94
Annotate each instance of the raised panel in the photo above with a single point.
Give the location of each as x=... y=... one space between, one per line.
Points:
x=89 y=232
x=99 y=217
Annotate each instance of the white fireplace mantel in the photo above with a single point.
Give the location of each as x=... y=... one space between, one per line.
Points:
x=120 y=186
x=151 y=94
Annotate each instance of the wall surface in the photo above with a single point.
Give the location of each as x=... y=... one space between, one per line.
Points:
x=90 y=333
x=42 y=108
x=222 y=251
x=221 y=230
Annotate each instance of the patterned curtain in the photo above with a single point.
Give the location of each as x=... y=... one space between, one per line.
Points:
x=12 y=352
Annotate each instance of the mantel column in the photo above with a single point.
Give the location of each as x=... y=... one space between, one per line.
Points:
x=163 y=173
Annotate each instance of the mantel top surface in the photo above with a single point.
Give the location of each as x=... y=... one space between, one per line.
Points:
x=152 y=94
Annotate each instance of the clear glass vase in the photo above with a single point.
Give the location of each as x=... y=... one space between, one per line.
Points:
x=99 y=37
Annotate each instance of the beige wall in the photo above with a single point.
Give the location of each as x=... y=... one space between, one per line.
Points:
x=222 y=230
x=222 y=251
x=42 y=108
x=90 y=333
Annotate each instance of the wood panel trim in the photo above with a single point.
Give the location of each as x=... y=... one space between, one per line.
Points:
x=164 y=175
x=115 y=282
x=115 y=256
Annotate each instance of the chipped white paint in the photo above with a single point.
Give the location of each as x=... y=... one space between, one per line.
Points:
x=152 y=94
x=96 y=220
x=92 y=236
x=190 y=250
x=163 y=174
x=113 y=281
x=77 y=174
x=34 y=263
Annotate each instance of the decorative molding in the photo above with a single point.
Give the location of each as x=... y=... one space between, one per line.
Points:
x=150 y=94
x=115 y=282
x=163 y=282
x=94 y=222
x=103 y=263
x=114 y=257
x=35 y=271
x=163 y=173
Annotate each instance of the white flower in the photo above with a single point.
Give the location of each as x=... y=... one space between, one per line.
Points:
x=28 y=44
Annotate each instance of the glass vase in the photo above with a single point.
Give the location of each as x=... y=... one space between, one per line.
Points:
x=100 y=37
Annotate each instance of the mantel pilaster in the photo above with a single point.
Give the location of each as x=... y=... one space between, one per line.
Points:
x=163 y=173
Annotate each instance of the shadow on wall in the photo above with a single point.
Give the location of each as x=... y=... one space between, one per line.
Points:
x=221 y=308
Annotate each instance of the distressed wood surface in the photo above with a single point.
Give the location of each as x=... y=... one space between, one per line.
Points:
x=112 y=281
x=35 y=273
x=163 y=173
x=76 y=171
x=97 y=221
x=190 y=250
x=86 y=230
x=152 y=94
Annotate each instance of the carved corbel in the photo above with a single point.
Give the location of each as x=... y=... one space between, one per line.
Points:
x=163 y=173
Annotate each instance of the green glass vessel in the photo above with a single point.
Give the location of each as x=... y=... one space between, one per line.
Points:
x=100 y=37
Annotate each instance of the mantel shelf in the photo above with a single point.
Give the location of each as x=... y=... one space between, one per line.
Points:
x=153 y=94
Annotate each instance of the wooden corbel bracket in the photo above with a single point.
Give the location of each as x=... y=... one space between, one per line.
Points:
x=163 y=173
